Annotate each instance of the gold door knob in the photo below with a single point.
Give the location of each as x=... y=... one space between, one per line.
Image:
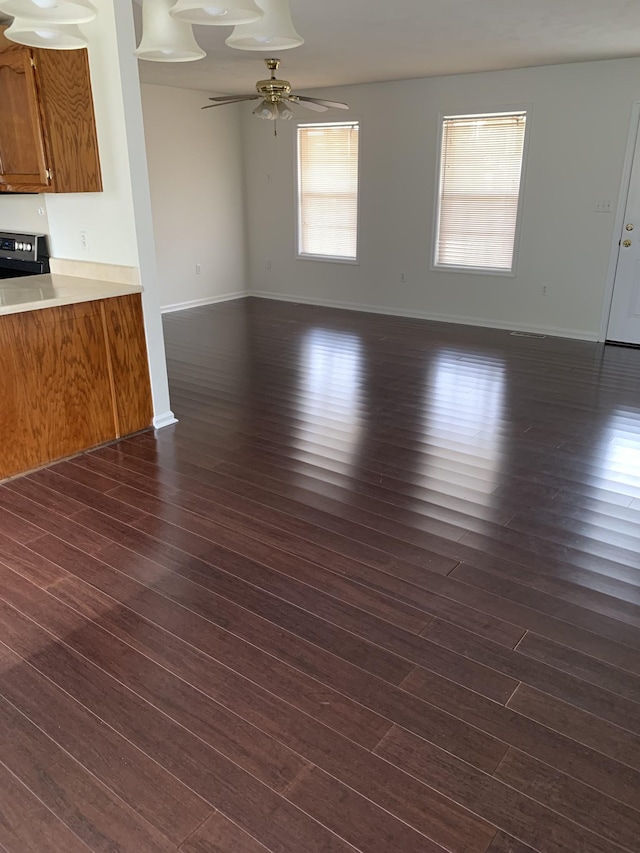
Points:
x=626 y=243
x=629 y=227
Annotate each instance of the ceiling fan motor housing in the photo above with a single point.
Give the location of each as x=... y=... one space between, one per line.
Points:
x=273 y=90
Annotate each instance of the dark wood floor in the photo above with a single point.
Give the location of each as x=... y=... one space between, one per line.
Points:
x=378 y=591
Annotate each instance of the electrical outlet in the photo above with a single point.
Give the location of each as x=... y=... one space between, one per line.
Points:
x=198 y=269
x=84 y=241
x=268 y=264
x=403 y=276
x=41 y=211
x=544 y=288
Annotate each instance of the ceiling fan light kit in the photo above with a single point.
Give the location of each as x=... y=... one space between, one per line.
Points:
x=48 y=36
x=274 y=30
x=221 y=13
x=50 y=11
x=271 y=111
x=166 y=39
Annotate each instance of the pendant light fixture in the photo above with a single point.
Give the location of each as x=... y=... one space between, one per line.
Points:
x=43 y=35
x=165 y=39
x=50 y=11
x=167 y=34
x=221 y=13
x=274 y=30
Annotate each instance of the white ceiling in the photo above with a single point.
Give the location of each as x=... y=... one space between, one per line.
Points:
x=365 y=41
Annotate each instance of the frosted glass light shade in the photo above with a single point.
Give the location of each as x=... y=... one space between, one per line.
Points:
x=50 y=11
x=274 y=31
x=221 y=13
x=271 y=112
x=163 y=38
x=266 y=110
x=48 y=36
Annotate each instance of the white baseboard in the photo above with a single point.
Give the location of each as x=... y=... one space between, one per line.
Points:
x=576 y=334
x=196 y=303
x=164 y=420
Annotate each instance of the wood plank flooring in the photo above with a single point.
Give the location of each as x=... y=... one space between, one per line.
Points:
x=378 y=590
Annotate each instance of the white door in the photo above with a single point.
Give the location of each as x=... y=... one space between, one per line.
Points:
x=624 y=320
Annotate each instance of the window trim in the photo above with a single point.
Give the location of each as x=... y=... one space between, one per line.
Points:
x=527 y=109
x=332 y=259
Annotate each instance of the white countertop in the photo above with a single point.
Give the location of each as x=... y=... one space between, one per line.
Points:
x=35 y=292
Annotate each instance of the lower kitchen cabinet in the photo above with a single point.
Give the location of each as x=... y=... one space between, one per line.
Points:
x=72 y=377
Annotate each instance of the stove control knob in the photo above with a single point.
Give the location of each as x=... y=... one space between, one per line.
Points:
x=28 y=247
x=20 y=246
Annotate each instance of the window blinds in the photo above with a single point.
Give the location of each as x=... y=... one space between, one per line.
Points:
x=328 y=190
x=480 y=175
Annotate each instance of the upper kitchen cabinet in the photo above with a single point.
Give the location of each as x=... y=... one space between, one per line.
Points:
x=23 y=161
x=48 y=140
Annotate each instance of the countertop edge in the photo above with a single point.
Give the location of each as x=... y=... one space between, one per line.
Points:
x=65 y=290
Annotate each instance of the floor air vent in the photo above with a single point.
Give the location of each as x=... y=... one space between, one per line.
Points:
x=528 y=335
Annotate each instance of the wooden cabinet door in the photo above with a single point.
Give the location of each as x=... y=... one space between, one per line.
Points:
x=64 y=87
x=55 y=384
x=126 y=342
x=22 y=150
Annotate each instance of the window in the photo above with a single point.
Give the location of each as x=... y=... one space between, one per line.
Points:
x=328 y=191
x=480 y=174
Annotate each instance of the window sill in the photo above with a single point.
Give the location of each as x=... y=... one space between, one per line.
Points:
x=329 y=259
x=475 y=271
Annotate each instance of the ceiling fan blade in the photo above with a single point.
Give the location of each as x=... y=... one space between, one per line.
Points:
x=227 y=98
x=324 y=103
x=224 y=103
x=308 y=103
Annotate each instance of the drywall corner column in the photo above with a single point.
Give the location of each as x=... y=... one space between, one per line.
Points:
x=143 y=222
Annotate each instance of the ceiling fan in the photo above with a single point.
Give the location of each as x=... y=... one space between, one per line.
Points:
x=276 y=96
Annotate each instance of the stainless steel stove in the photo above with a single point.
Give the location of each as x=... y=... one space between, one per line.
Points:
x=23 y=254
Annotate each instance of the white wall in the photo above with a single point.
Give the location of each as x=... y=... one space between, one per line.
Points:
x=23 y=213
x=578 y=132
x=195 y=173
